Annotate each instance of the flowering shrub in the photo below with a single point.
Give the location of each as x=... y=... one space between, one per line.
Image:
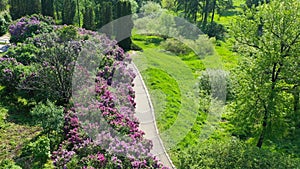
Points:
x=100 y=129
x=13 y=73
x=28 y=27
x=108 y=118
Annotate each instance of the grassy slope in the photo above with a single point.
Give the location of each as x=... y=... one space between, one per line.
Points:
x=164 y=89
x=168 y=77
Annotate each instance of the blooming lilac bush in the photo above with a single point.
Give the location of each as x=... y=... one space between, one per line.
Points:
x=100 y=129
x=28 y=27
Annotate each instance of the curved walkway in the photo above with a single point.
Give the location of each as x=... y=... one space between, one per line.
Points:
x=145 y=113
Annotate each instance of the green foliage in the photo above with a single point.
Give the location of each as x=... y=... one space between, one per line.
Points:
x=47 y=7
x=3 y=4
x=67 y=33
x=169 y=4
x=176 y=47
x=264 y=82
x=232 y=155
x=69 y=11
x=5 y=20
x=255 y=3
x=89 y=18
x=9 y=164
x=215 y=30
x=202 y=46
x=123 y=30
x=150 y=7
x=48 y=116
x=37 y=151
x=23 y=8
x=13 y=74
x=23 y=53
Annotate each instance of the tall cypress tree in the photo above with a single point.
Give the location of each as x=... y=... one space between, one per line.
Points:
x=32 y=7
x=69 y=11
x=89 y=18
x=19 y=8
x=48 y=8
x=123 y=29
x=3 y=4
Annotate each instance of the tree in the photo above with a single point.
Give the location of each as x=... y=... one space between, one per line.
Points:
x=58 y=5
x=251 y=3
x=68 y=13
x=21 y=8
x=89 y=18
x=123 y=8
x=3 y=4
x=269 y=39
x=48 y=8
x=32 y=7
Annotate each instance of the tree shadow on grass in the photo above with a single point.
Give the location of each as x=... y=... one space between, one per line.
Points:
x=230 y=13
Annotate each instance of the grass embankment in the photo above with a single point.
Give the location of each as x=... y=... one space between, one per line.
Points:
x=172 y=83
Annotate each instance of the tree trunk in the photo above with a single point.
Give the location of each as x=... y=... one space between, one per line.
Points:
x=296 y=105
x=206 y=12
x=213 y=11
x=263 y=133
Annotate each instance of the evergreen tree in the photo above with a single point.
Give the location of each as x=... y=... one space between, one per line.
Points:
x=32 y=7
x=19 y=8
x=59 y=6
x=89 y=18
x=123 y=30
x=69 y=11
x=3 y=4
x=48 y=8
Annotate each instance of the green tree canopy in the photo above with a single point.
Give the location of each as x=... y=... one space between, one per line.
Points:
x=268 y=77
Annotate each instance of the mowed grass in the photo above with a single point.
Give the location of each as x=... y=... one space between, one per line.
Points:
x=15 y=132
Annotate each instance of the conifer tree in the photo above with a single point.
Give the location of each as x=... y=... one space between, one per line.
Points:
x=123 y=8
x=89 y=18
x=69 y=11
x=48 y=8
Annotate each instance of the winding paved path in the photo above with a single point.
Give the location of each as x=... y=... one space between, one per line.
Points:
x=145 y=113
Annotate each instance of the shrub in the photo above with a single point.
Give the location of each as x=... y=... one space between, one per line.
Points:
x=13 y=74
x=215 y=30
x=176 y=47
x=49 y=116
x=9 y=164
x=37 y=151
x=234 y=154
x=5 y=19
x=202 y=46
x=28 y=27
x=23 y=53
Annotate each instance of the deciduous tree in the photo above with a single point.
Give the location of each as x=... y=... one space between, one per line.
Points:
x=269 y=38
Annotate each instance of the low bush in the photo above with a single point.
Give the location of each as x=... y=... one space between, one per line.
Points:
x=5 y=20
x=9 y=164
x=37 y=152
x=175 y=47
x=48 y=116
x=215 y=30
x=234 y=154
